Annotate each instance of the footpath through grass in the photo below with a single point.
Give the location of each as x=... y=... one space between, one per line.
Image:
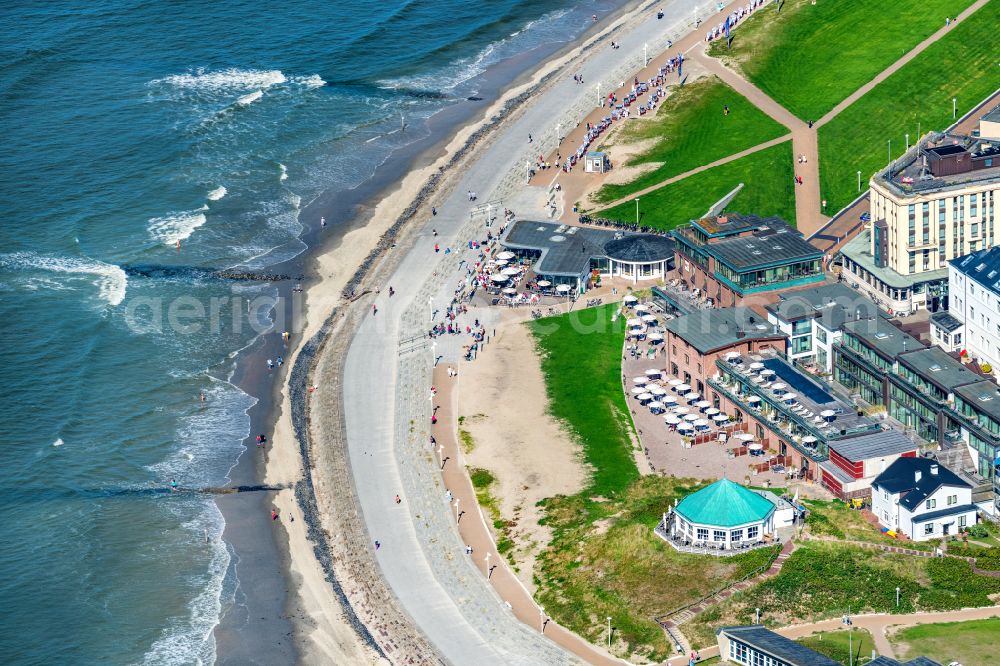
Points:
x=581 y=356
x=838 y=645
x=972 y=643
x=822 y=580
x=768 y=189
x=813 y=54
x=691 y=130
x=916 y=99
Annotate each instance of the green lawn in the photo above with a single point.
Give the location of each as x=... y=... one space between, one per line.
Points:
x=691 y=130
x=813 y=54
x=822 y=580
x=838 y=645
x=581 y=355
x=605 y=561
x=768 y=189
x=835 y=519
x=916 y=99
x=973 y=643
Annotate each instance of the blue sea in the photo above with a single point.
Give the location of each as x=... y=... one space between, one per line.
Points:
x=139 y=134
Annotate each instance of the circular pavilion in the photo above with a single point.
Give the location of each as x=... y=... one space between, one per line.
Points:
x=639 y=256
x=723 y=515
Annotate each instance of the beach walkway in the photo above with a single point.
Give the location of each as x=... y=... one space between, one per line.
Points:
x=811 y=217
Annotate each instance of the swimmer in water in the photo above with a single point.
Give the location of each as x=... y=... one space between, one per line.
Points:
x=322 y=221
x=173 y=485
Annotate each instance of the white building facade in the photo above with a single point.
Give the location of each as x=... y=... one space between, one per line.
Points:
x=922 y=500
x=974 y=300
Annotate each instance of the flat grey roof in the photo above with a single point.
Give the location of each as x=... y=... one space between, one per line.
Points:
x=935 y=365
x=875 y=445
x=993 y=115
x=832 y=303
x=880 y=334
x=858 y=249
x=708 y=330
x=777 y=645
x=983 y=396
x=565 y=250
x=946 y=321
x=776 y=246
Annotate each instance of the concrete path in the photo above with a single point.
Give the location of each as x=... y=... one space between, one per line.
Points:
x=387 y=376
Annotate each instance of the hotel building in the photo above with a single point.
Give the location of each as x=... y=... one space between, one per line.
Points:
x=935 y=203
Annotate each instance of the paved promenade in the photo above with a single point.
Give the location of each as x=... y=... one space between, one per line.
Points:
x=387 y=405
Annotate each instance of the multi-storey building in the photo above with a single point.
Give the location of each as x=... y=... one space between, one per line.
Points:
x=974 y=301
x=856 y=461
x=922 y=499
x=732 y=257
x=935 y=203
x=812 y=319
x=939 y=399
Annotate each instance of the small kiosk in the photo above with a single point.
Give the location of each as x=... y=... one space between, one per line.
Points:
x=596 y=162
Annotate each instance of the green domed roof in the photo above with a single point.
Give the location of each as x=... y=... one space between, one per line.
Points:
x=725 y=504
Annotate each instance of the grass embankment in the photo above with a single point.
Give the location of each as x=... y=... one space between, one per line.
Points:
x=811 y=55
x=835 y=519
x=822 y=580
x=838 y=645
x=972 y=643
x=917 y=98
x=604 y=560
x=768 y=189
x=482 y=482
x=690 y=130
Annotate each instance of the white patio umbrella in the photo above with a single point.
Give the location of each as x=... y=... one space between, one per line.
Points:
x=635 y=321
x=563 y=288
x=711 y=411
x=658 y=391
x=731 y=355
x=641 y=379
x=779 y=388
x=499 y=279
x=703 y=404
x=692 y=397
x=719 y=418
x=630 y=299
x=808 y=439
x=789 y=397
x=644 y=396
x=511 y=271
x=501 y=262
x=637 y=390
x=684 y=426
x=671 y=419
x=682 y=388
x=649 y=319
x=505 y=255
x=755 y=446
x=544 y=283
x=756 y=365
x=509 y=290
x=828 y=414
x=681 y=410
x=692 y=417
x=656 y=337
x=701 y=423
x=654 y=372
x=642 y=307
x=669 y=400
x=656 y=405
x=744 y=436
x=767 y=372
x=753 y=398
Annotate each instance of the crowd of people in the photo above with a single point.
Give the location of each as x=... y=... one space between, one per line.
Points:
x=733 y=19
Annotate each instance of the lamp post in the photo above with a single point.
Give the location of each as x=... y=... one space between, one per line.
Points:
x=637 y=211
x=609 y=632
x=897 y=597
x=645 y=57
x=756 y=616
x=488 y=572
x=541 y=619
x=907 y=141
x=558 y=133
x=859 y=182
x=954 y=107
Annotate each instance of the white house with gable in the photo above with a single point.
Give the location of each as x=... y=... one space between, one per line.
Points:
x=922 y=499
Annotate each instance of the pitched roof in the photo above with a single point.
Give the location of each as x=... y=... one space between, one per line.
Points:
x=982 y=266
x=641 y=248
x=724 y=503
x=832 y=304
x=776 y=645
x=936 y=366
x=764 y=248
x=916 y=661
x=716 y=328
x=900 y=477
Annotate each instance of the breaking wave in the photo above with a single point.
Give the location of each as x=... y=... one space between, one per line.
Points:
x=110 y=279
x=176 y=227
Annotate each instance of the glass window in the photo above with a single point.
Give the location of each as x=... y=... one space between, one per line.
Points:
x=702 y=533
x=929 y=528
x=752 y=532
x=930 y=504
x=737 y=535
x=718 y=535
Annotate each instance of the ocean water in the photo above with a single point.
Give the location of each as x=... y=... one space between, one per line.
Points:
x=139 y=133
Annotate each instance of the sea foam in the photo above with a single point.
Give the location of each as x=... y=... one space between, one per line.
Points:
x=225 y=80
x=110 y=280
x=217 y=193
x=176 y=227
x=250 y=98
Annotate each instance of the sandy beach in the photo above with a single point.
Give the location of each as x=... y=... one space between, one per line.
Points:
x=504 y=408
x=324 y=630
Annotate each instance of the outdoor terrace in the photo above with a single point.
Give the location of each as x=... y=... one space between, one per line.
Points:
x=799 y=410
